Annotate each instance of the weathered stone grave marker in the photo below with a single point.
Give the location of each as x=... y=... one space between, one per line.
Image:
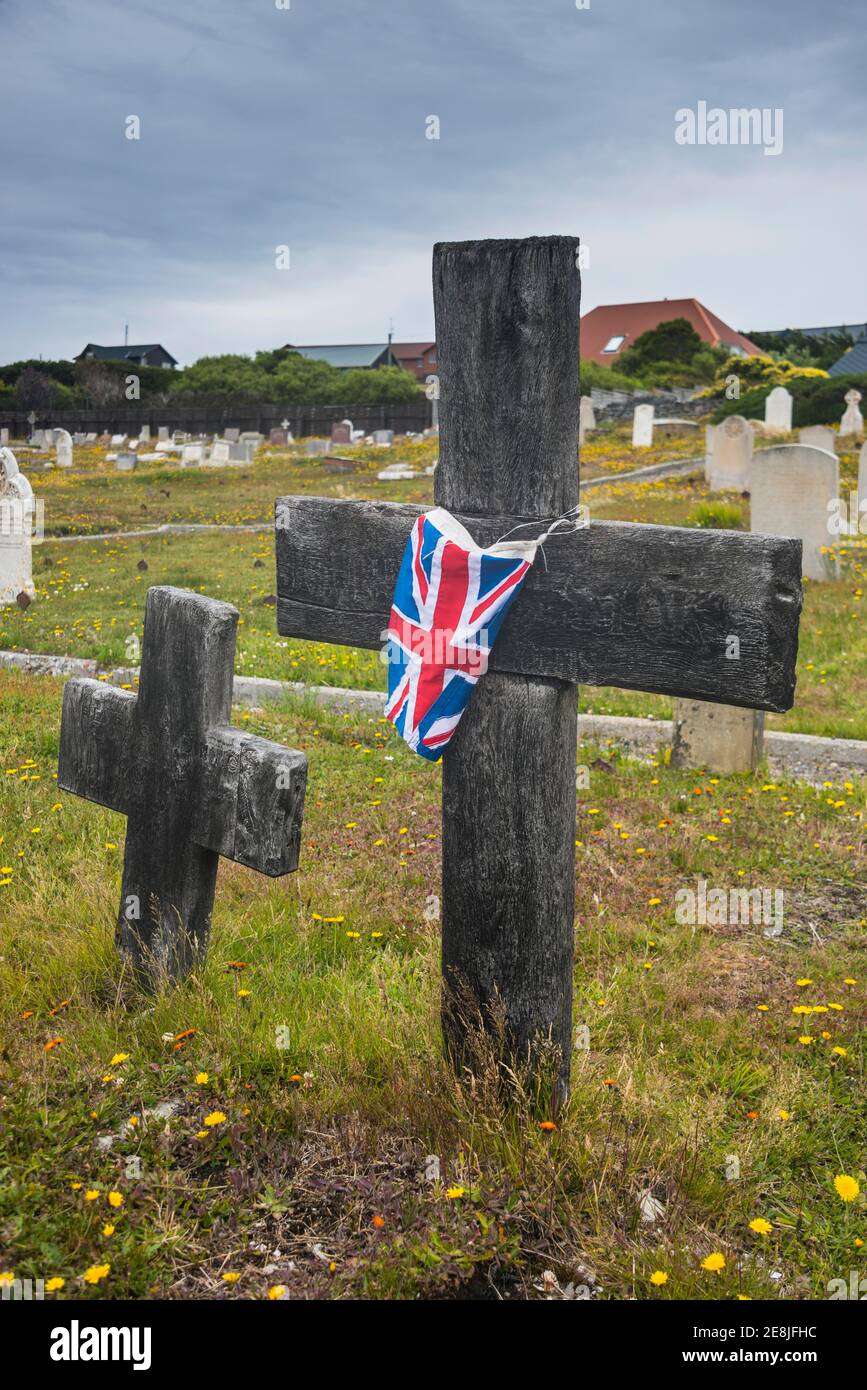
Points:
x=341 y=432
x=645 y=607
x=778 y=411
x=192 y=787
x=852 y=421
x=818 y=437
x=731 y=454
x=16 y=532
x=791 y=488
x=642 y=427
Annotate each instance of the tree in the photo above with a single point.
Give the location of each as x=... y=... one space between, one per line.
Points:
x=101 y=382
x=673 y=341
x=34 y=390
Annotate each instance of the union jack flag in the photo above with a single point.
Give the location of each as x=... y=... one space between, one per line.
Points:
x=449 y=604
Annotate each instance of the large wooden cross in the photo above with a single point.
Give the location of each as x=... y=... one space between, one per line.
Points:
x=645 y=607
x=192 y=788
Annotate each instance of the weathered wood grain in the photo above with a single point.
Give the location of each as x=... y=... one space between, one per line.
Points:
x=507 y=350
x=192 y=787
x=642 y=607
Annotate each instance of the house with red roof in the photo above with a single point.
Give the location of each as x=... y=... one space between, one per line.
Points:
x=610 y=328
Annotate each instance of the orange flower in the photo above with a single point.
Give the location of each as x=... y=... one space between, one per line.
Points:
x=378 y=1222
x=547 y=1125
x=52 y=1043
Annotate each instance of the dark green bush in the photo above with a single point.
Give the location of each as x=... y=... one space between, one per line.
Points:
x=816 y=400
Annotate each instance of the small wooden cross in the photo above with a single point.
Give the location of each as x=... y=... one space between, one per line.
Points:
x=707 y=614
x=192 y=788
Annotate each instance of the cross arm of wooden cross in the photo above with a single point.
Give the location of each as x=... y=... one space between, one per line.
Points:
x=710 y=615
x=249 y=793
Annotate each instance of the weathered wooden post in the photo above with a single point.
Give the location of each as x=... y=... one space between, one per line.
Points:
x=507 y=316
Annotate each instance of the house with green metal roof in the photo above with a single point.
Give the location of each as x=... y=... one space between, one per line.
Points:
x=140 y=354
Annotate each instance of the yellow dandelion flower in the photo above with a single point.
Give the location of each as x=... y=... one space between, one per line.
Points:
x=761 y=1226
x=230 y=1276
x=659 y=1277
x=453 y=1193
x=95 y=1273
x=92 y=1194
x=201 y=1078
x=118 y=1058
x=216 y=1117
x=115 y=1199
x=714 y=1263
x=277 y=1291
x=847 y=1188
x=108 y=1229
x=54 y=1284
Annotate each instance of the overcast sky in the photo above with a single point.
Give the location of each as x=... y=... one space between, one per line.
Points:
x=262 y=126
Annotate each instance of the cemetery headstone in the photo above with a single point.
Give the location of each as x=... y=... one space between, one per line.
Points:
x=125 y=461
x=642 y=427
x=819 y=437
x=144 y=434
x=37 y=439
x=646 y=607
x=90 y=438
x=709 y=432
x=312 y=447
x=333 y=463
x=16 y=531
x=118 y=441
x=778 y=411
x=396 y=472
x=790 y=488
x=587 y=416
x=242 y=452
x=219 y=452
x=341 y=432
x=862 y=478
x=853 y=420
x=4 y=435
x=233 y=435
x=191 y=455
x=720 y=738
x=277 y=438
x=192 y=787
x=163 y=432
x=383 y=437
x=731 y=456
x=253 y=435
x=63 y=445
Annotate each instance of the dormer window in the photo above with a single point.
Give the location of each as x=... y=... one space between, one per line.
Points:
x=616 y=343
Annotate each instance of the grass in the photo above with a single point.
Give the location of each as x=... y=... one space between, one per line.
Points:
x=327 y=1071
x=90 y=595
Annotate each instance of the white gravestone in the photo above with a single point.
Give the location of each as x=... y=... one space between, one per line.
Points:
x=586 y=418
x=778 y=410
x=731 y=456
x=383 y=437
x=163 y=432
x=118 y=440
x=219 y=452
x=4 y=436
x=144 y=434
x=63 y=445
x=16 y=531
x=862 y=486
x=853 y=420
x=790 y=491
x=191 y=455
x=819 y=437
x=642 y=427
x=125 y=462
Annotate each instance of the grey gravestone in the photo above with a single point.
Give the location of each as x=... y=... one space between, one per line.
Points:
x=232 y=435
x=316 y=446
x=4 y=436
x=277 y=438
x=819 y=437
x=790 y=490
x=242 y=451
x=853 y=420
x=192 y=787
x=63 y=445
x=125 y=462
x=383 y=437
x=163 y=432
x=645 y=607
x=731 y=456
x=341 y=433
